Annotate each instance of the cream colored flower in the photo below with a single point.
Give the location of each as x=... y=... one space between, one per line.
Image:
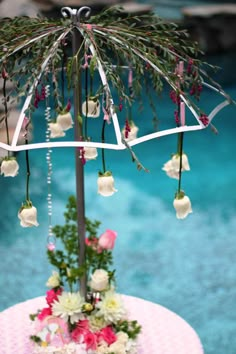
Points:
x=111 y=308
x=90 y=153
x=118 y=348
x=91 y=107
x=171 y=167
x=65 y=120
x=96 y=323
x=53 y=280
x=182 y=205
x=99 y=280
x=102 y=349
x=28 y=216
x=9 y=167
x=122 y=337
x=56 y=130
x=68 y=306
x=106 y=185
x=132 y=134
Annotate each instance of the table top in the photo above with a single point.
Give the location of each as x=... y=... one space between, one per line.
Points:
x=163 y=332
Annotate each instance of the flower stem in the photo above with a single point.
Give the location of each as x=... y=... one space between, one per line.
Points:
x=27 y=171
x=180 y=153
x=86 y=100
x=103 y=150
x=6 y=113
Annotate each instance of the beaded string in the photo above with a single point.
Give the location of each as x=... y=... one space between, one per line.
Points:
x=51 y=240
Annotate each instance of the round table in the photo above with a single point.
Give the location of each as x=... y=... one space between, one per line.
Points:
x=163 y=332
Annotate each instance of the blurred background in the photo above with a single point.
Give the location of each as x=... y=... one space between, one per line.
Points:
x=186 y=265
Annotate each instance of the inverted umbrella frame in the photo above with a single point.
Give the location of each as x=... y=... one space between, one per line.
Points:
x=121 y=144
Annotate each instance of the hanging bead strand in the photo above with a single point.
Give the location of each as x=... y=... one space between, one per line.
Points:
x=51 y=242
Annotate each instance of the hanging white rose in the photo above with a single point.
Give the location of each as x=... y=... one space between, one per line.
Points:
x=99 y=280
x=56 y=130
x=9 y=167
x=105 y=184
x=182 y=205
x=91 y=107
x=65 y=120
x=132 y=134
x=28 y=216
x=171 y=167
x=90 y=153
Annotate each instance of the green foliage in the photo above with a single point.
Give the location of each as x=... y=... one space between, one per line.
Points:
x=66 y=260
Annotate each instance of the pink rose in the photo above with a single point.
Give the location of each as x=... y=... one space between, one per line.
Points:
x=52 y=295
x=107 y=240
x=90 y=339
x=44 y=313
x=108 y=335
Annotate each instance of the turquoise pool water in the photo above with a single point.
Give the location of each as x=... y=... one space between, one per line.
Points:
x=187 y=266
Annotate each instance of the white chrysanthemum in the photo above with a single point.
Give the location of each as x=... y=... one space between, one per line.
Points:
x=9 y=168
x=182 y=206
x=171 y=167
x=111 y=307
x=106 y=186
x=53 y=280
x=65 y=121
x=90 y=153
x=68 y=306
x=28 y=216
x=56 y=130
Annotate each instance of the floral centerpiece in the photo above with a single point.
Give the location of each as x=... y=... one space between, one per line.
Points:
x=71 y=323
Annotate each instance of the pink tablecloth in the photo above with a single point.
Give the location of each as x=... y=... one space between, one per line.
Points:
x=163 y=332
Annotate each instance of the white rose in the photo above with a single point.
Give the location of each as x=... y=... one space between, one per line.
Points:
x=99 y=280
x=122 y=337
x=90 y=153
x=117 y=348
x=171 y=167
x=132 y=134
x=56 y=130
x=28 y=216
x=65 y=121
x=53 y=280
x=106 y=185
x=9 y=168
x=92 y=108
x=182 y=205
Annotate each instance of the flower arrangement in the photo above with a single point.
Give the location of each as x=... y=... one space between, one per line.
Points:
x=72 y=323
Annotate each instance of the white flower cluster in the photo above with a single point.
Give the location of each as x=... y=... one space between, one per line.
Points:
x=63 y=122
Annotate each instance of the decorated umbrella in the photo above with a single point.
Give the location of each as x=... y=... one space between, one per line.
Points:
x=103 y=61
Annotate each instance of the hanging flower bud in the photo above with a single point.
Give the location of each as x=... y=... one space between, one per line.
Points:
x=171 y=167
x=90 y=153
x=130 y=131
x=65 y=120
x=9 y=167
x=106 y=184
x=28 y=215
x=182 y=205
x=91 y=107
x=56 y=130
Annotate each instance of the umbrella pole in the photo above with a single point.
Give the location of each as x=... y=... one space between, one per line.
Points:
x=79 y=168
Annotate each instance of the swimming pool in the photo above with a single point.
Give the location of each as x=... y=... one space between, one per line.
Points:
x=187 y=266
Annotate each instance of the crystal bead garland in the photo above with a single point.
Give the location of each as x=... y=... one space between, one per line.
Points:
x=51 y=241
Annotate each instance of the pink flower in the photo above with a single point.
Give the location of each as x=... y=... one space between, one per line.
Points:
x=107 y=240
x=90 y=339
x=52 y=295
x=47 y=311
x=92 y=242
x=108 y=335
x=81 y=330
